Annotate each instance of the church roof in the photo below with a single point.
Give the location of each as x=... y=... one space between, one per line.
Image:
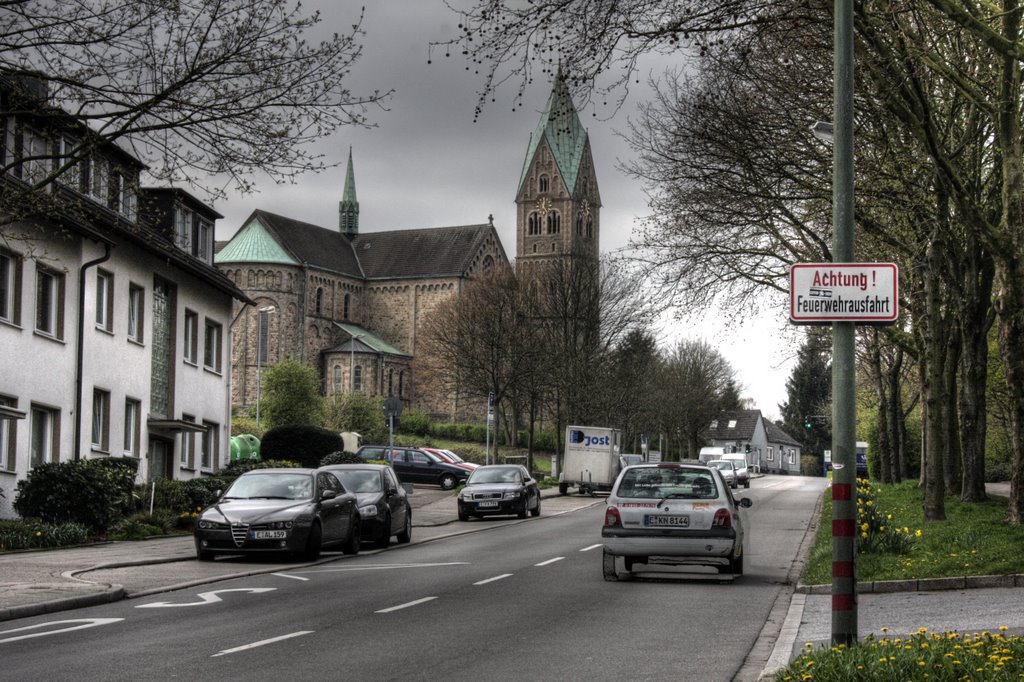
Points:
x=362 y=341
x=430 y=252
x=270 y=238
x=561 y=126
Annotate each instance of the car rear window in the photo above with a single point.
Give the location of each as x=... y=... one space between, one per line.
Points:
x=660 y=482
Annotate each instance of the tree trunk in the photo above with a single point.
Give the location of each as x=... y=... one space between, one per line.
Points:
x=896 y=421
x=932 y=466
x=975 y=322
x=885 y=454
x=952 y=473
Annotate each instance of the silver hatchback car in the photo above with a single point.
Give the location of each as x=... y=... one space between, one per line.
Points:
x=672 y=514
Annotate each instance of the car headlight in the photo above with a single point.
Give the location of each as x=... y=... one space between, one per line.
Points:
x=368 y=512
x=512 y=495
x=278 y=525
x=209 y=525
x=466 y=495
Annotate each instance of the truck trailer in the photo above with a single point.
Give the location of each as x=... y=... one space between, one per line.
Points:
x=591 y=460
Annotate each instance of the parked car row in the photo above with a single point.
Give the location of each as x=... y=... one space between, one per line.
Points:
x=302 y=511
x=420 y=465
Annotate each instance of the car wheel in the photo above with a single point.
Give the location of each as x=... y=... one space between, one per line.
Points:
x=522 y=513
x=351 y=544
x=608 y=567
x=463 y=516
x=406 y=535
x=563 y=488
x=746 y=483
x=313 y=543
x=385 y=538
x=536 y=510
x=447 y=482
x=737 y=565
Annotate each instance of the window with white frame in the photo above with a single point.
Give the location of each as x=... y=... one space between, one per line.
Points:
x=10 y=287
x=136 y=308
x=104 y=300
x=188 y=443
x=191 y=352
x=100 y=419
x=792 y=456
x=8 y=435
x=132 y=426
x=45 y=431
x=99 y=179
x=202 y=248
x=771 y=454
x=72 y=175
x=49 y=303
x=211 y=346
x=210 y=440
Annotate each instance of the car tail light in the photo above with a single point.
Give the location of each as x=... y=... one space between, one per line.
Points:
x=611 y=517
x=723 y=519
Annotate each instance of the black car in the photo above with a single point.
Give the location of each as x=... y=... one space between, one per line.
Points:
x=297 y=511
x=413 y=465
x=499 y=489
x=383 y=503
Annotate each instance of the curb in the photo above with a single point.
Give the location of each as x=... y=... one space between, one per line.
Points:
x=115 y=593
x=967 y=582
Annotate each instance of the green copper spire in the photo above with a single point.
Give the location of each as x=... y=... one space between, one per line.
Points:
x=348 y=209
x=560 y=124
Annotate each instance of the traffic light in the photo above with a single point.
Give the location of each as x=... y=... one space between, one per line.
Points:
x=807 y=422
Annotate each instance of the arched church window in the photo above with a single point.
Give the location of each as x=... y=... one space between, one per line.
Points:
x=579 y=224
x=348 y=302
x=488 y=262
x=535 y=248
x=554 y=222
x=357 y=378
x=319 y=301
x=337 y=378
x=543 y=184
x=590 y=228
x=533 y=223
x=391 y=381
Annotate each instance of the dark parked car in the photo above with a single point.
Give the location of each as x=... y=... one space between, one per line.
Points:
x=383 y=503
x=298 y=511
x=499 y=489
x=415 y=465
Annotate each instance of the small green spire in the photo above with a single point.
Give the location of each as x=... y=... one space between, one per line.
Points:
x=348 y=209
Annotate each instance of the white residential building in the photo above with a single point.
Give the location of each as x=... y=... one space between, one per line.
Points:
x=113 y=321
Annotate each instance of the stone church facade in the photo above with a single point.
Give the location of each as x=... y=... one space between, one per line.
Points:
x=353 y=304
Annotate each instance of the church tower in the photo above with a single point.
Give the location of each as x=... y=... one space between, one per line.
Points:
x=348 y=209
x=558 y=203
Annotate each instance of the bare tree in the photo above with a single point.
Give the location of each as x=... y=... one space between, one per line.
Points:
x=205 y=92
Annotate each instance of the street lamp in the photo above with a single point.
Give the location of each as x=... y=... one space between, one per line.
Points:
x=352 y=362
x=264 y=313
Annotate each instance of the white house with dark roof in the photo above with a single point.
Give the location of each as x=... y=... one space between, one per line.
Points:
x=113 y=319
x=766 y=446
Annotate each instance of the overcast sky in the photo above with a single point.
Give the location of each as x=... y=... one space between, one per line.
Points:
x=428 y=164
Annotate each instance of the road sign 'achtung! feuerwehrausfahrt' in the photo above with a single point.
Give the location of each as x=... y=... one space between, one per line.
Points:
x=865 y=293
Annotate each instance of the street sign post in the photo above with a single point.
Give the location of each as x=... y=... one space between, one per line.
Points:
x=862 y=293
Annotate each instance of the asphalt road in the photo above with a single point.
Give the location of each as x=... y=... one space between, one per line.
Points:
x=520 y=600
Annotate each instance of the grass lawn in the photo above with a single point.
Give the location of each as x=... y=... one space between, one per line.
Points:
x=973 y=540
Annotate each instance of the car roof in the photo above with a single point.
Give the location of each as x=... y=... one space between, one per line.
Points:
x=352 y=466
x=281 y=470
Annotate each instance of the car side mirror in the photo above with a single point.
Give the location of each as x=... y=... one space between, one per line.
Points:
x=745 y=502
x=328 y=494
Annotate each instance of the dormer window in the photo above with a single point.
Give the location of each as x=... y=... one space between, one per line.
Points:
x=183 y=219
x=202 y=246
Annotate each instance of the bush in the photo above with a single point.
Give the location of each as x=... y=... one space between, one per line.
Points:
x=235 y=469
x=341 y=458
x=178 y=497
x=95 y=493
x=358 y=412
x=306 y=445
x=140 y=526
x=415 y=421
x=31 y=533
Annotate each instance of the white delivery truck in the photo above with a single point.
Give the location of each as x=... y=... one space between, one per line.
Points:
x=591 y=459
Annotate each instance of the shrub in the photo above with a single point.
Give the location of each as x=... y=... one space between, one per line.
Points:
x=341 y=458
x=93 y=492
x=235 y=469
x=31 y=533
x=306 y=445
x=415 y=421
x=357 y=412
x=138 y=527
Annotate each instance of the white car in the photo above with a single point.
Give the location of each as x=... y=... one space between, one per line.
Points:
x=672 y=514
x=728 y=469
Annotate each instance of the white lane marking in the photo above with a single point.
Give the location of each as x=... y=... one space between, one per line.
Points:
x=587 y=549
x=550 y=561
x=373 y=567
x=293 y=577
x=406 y=605
x=491 y=580
x=262 y=642
x=82 y=624
x=205 y=598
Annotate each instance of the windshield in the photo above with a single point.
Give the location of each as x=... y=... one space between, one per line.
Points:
x=660 y=483
x=721 y=464
x=275 y=486
x=453 y=456
x=359 y=480
x=495 y=475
